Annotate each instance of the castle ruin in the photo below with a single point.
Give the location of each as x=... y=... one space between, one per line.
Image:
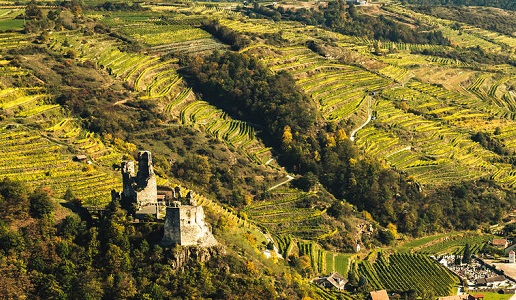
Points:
x=140 y=188
x=184 y=224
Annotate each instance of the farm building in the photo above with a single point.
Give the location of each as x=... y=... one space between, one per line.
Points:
x=80 y=157
x=500 y=243
x=496 y=281
x=512 y=255
x=335 y=280
x=444 y=262
x=356 y=2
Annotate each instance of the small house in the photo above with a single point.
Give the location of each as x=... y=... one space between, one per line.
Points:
x=80 y=157
x=457 y=297
x=444 y=262
x=512 y=256
x=335 y=280
x=500 y=243
x=495 y=281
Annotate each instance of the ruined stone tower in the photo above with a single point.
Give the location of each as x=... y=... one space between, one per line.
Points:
x=140 y=188
x=185 y=226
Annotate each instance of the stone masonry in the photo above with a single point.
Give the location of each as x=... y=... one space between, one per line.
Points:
x=185 y=226
x=140 y=188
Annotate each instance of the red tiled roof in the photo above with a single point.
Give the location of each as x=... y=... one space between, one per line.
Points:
x=379 y=295
x=500 y=242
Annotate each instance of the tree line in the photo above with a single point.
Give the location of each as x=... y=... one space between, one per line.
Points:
x=321 y=152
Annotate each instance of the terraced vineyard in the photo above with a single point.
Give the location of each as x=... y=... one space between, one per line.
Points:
x=431 y=137
x=44 y=160
x=172 y=38
x=439 y=149
x=32 y=158
x=218 y=124
x=279 y=213
x=157 y=80
x=322 y=261
x=468 y=36
x=455 y=244
x=339 y=90
x=402 y=272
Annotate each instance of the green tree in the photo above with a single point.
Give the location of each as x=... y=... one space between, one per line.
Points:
x=466 y=257
x=194 y=168
x=41 y=205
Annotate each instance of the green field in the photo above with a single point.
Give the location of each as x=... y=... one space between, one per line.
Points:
x=494 y=296
x=418 y=243
x=11 y=25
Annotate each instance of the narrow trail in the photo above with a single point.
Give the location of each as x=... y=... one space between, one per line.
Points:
x=369 y=117
x=408 y=148
x=289 y=178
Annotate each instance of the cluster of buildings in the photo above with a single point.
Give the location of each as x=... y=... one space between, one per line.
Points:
x=476 y=273
x=481 y=275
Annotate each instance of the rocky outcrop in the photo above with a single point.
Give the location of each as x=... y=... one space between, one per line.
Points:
x=182 y=256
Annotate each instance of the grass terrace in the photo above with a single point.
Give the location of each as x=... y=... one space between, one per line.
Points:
x=282 y=213
x=32 y=158
x=218 y=124
x=455 y=244
x=155 y=35
x=339 y=90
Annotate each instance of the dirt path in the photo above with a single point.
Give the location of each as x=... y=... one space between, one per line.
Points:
x=289 y=178
x=352 y=136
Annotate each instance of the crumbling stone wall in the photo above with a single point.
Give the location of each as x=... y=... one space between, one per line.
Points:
x=140 y=188
x=185 y=226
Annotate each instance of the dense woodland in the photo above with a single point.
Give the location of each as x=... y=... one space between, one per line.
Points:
x=45 y=254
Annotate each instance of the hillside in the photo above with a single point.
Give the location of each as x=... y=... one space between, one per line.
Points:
x=303 y=128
